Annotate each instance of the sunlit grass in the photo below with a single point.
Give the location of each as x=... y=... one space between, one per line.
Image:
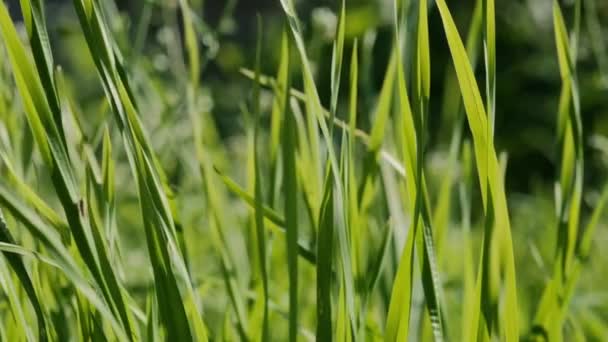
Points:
x=320 y=229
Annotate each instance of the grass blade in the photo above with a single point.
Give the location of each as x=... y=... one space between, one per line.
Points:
x=498 y=238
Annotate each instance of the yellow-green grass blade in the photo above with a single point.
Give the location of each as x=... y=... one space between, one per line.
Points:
x=451 y=101
x=33 y=200
x=37 y=109
x=470 y=309
x=50 y=136
x=586 y=239
x=594 y=325
x=489 y=34
x=59 y=256
x=397 y=324
x=341 y=220
x=571 y=139
x=279 y=107
x=470 y=94
x=109 y=196
x=398 y=319
x=554 y=304
x=96 y=201
x=182 y=321
x=279 y=104
x=343 y=333
x=361 y=135
x=313 y=101
x=355 y=218
x=325 y=257
x=336 y=62
x=378 y=130
x=314 y=106
x=191 y=44
x=498 y=237
x=422 y=92
x=260 y=234
x=288 y=146
x=21 y=329
x=35 y=23
x=20 y=270
x=413 y=148
x=158 y=208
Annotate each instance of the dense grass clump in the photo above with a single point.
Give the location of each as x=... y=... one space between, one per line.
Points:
x=126 y=213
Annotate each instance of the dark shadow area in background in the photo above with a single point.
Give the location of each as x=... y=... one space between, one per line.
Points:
x=527 y=75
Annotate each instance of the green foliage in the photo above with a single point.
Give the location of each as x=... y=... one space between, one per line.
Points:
x=347 y=227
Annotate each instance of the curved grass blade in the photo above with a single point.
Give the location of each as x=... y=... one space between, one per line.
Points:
x=363 y=136
x=60 y=257
x=156 y=201
x=314 y=106
x=18 y=266
x=413 y=118
x=33 y=200
x=20 y=329
x=498 y=237
x=553 y=307
x=39 y=109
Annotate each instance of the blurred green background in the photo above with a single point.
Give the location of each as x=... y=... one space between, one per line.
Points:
x=527 y=71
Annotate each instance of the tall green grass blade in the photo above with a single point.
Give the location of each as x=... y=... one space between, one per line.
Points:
x=260 y=236
x=288 y=130
x=422 y=92
x=398 y=319
x=97 y=225
x=191 y=44
x=33 y=15
x=49 y=135
x=489 y=34
x=279 y=106
x=158 y=208
x=363 y=136
x=470 y=309
x=450 y=101
x=552 y=313
x=498 y=236
x=314 y=106
x=413 y=120
x=378 y=130
x=325 y=257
